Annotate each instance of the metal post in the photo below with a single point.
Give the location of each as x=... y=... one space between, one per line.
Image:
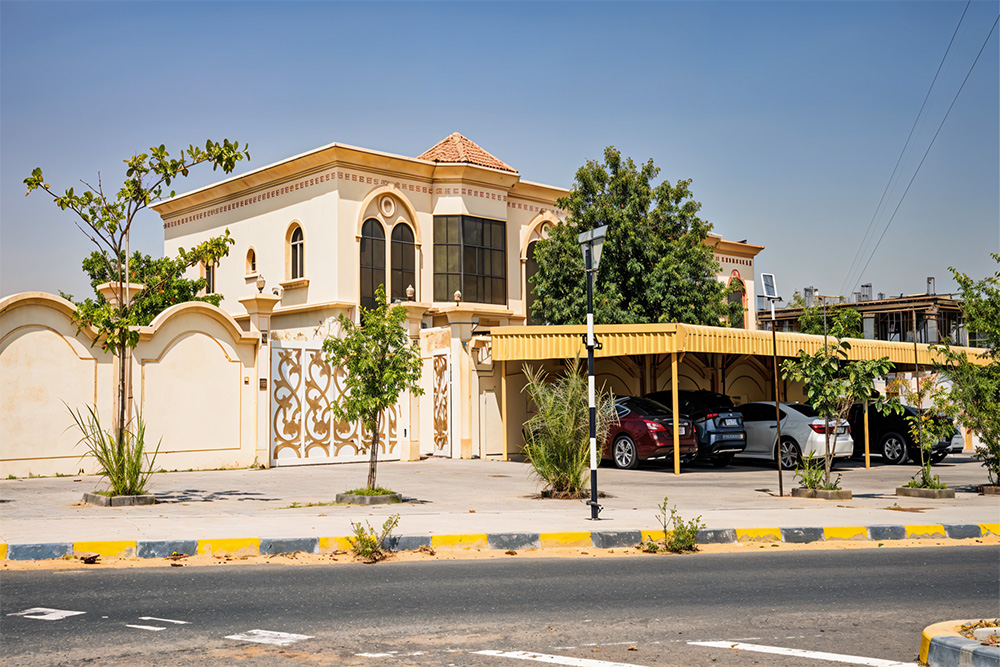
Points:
x=777 y=397
x=916 y=376
x=595 y=508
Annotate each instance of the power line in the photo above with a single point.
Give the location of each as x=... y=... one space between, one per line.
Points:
x=865 y=239
x=981 y=49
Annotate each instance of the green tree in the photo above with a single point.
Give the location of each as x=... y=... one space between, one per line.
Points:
x=162 y=277
x=106 y=219
x=381 y=364
x=841 y=321
x=655 y=266
x=833 y=384
x=975 y=388
x=927 y=426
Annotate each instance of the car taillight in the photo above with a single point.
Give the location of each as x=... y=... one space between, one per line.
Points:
x=711 y=415
x=655 y=426
x=819 y=428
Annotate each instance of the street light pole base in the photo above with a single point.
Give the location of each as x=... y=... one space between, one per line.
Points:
x=595 y=509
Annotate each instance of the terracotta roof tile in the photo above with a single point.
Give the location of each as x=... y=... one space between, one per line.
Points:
x=457 y=148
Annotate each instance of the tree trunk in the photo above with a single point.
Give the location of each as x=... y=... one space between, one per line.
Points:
x=373 y=455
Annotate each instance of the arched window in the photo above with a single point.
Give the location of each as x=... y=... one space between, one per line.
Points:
x=209 y=278
x=739 y=296
x=372 y=261
x=251 y=262
x=530 y=269
x=297 y=255
x=402 y=261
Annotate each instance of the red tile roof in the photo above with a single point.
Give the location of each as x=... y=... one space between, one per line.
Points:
x=457 y=148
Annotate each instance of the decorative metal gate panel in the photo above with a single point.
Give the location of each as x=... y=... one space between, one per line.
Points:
x=304 y=429
x=442 y=403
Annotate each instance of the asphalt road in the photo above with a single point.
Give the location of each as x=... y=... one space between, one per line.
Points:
x=864 y=603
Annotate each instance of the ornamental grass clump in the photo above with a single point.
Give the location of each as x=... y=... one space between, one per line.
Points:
x=557 y=437
x=811 y=473
x=121 y=454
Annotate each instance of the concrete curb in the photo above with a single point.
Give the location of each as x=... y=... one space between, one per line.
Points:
x=254 y=546
x=942 y=646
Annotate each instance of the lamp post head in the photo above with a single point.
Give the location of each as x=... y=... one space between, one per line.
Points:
x=410 y=292
x=457 y=296
x=260 y=282
x=592 y=242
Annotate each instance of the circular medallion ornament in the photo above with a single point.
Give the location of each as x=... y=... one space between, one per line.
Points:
x=387 y=206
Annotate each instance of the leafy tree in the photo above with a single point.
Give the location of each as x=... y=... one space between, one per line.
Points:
x=381 y=364
x=975 y=388
x=162 y=277
x=655 y=266
x=926 y=427
x=841 y=322
x=833 y=384
x=106 y=219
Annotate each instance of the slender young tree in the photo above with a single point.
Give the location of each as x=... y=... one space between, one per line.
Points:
x=106 y=219
x=975 y=389
x=381 y=363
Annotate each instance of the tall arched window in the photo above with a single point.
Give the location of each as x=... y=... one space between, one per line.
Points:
x=297 y=255
x=530 y=269
x=739 y=296
x=402 y=261
x=372 y=261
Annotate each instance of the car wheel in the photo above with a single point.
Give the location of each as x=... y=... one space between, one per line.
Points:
x=790 y=454
x=937 y=458
x=893 y=449
x=722 y=460
x=624 y=454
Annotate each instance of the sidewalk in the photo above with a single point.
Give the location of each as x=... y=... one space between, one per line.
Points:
x=470 y=500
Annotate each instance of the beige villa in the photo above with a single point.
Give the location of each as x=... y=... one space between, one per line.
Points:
x=450 y=233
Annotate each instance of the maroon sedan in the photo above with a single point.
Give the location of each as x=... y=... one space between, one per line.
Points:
x=645 y=430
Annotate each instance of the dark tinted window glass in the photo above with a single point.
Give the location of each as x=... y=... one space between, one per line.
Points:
x=470 y=257
x=648 y=407
x=804 y=409
x=402 y=261
x=372 y=261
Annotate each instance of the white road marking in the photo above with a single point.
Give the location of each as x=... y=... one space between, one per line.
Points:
x=46 y=614
x=145 y=627
x=162 y=620
x=818 y=655
x=554 y=659
x=269 y=637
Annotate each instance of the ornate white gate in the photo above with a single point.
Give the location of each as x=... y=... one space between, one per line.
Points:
x=304 y=429
x=442 y=403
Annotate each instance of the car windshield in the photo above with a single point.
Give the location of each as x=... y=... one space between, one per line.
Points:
x=803 y=408
x=648 y=407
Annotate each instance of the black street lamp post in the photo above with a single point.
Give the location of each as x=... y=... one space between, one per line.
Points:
x=591 y=243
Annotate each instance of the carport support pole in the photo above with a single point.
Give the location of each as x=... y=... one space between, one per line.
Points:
x=777 y=398
x=674 y=399
x=595 y=508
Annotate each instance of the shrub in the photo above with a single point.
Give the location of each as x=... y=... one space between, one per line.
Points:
x=365 y=491
x=369 y=545
x=811 y=472
x=557 y=438
x=679 y=536
x=121 y=456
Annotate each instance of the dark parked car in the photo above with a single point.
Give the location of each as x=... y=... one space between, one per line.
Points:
x=645 y=430
x=719 y=427
x=889 y=436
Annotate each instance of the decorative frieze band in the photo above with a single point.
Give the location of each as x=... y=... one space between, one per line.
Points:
x=733 y=260
x=352 y=177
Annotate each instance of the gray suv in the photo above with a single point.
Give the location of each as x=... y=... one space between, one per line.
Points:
x=719 y=427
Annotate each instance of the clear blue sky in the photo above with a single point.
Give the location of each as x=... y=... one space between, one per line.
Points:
x=789 y=116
